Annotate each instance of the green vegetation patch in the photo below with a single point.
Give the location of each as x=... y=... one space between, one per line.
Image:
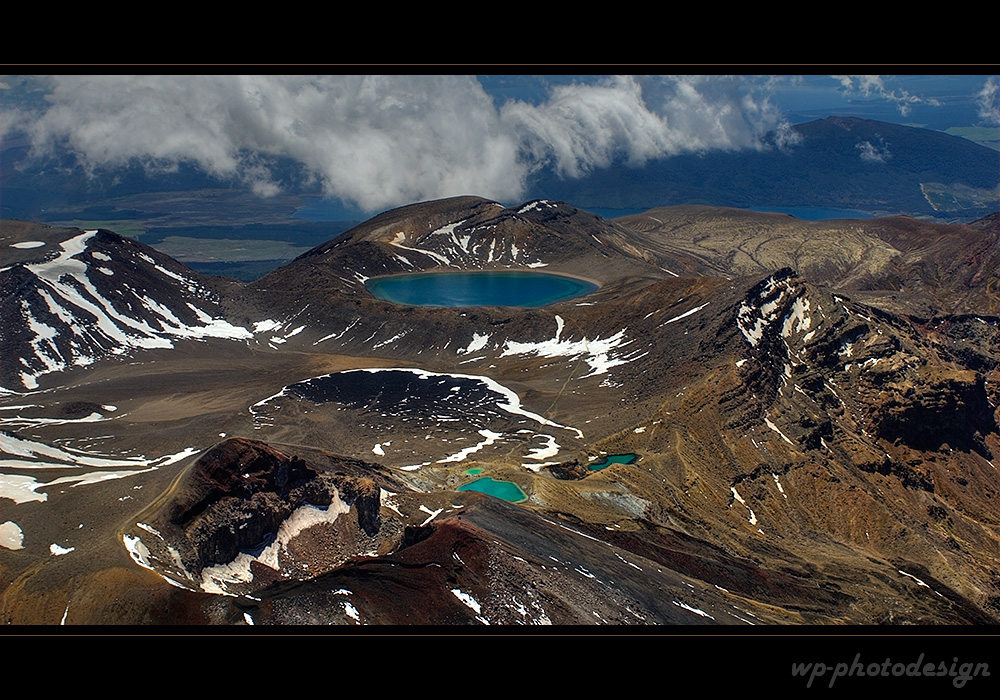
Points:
x=984 y=135
x=958 y=197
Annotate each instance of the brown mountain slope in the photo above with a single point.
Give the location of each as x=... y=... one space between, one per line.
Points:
x=899 y=264
x=803 y=453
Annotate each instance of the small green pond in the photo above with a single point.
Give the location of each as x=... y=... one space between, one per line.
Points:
x=473 y=471
x=506 y=490
x=613 y=459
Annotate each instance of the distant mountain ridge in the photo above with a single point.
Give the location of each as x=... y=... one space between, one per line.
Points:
x=841 y=162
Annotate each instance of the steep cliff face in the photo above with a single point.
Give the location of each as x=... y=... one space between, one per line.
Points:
x=941 y=408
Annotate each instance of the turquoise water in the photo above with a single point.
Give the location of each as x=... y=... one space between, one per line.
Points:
x=506 y=490
x=483 y=288
x=613 y=459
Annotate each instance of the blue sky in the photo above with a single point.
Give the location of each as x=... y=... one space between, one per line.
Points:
x=380 y=141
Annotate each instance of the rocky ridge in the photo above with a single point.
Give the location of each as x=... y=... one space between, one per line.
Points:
x=809 y=453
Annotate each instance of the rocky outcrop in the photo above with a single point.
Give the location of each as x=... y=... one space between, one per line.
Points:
x=568 y=471
x=239 y=493
x=365 y=496
x=946 y=407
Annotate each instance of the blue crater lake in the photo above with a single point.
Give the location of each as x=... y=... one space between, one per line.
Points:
x=480 y=288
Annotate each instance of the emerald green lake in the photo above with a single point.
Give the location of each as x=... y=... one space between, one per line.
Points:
x=506 y=490
x=479 y=288
x=612 y=459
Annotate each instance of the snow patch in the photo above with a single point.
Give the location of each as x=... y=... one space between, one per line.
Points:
x=596 y=353
x=798 y=318
x=139 y=551
x=467 y=600
x=537 y=204
x=490 y=438
x=778 y=483
x=432 y=514
x=20 y=489
x=752 y=518
x=478 y=343
x=334 y=336
x=400 y=237
x=551 y=449
x=686 y=313
x=773 y=427
x=11 y=535
x=150 y=529
x=694 y=610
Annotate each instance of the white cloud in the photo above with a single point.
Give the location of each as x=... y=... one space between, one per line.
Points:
x=989 y=101
x=874 y=86
x=371 y=140
x=586 y=126
x=872 y=153
x=381 y=141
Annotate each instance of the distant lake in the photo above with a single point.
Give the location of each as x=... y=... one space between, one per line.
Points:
x=817 y=213
x=608 y=213
x=482 y=288
x=806 y=213
x=327 y=210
